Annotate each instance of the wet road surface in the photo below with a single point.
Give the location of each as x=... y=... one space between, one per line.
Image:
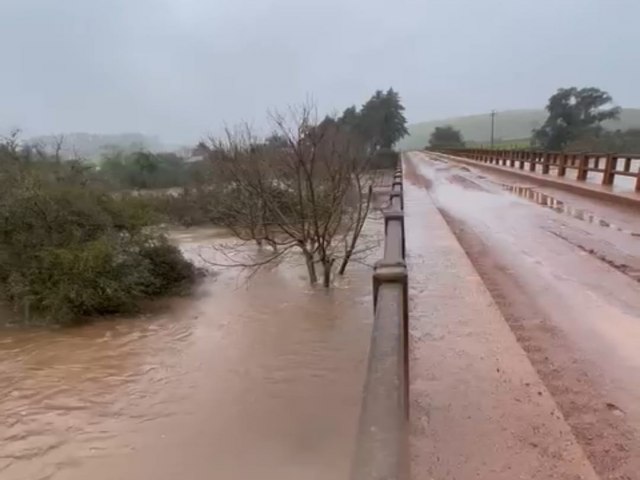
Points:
x=478 y=408
x=242 y=380
x=564 y=272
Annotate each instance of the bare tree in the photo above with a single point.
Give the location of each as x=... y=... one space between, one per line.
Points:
x=58 y=143
x=309 y=192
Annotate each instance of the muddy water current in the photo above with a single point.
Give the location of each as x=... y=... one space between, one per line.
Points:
x=246 y=378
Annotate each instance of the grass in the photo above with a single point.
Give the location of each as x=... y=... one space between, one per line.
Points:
x=511 y=127
x=514 y=144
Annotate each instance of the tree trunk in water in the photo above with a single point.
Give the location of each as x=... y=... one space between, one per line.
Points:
x=345 y=261
x=311 y=268
x=327 y=266
x=362 y=217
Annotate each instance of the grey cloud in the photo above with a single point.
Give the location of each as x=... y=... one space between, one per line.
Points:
x=182 y=68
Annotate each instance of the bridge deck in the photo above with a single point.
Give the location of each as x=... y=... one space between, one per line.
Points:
x=478 y=408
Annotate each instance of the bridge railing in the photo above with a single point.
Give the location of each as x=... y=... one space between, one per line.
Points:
x=382 y=441
x=609 y=165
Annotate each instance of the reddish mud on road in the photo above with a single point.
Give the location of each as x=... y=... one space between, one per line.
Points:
x=565 y=273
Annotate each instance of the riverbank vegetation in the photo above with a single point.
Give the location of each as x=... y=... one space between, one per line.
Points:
x=70 y=249
x=80 y=239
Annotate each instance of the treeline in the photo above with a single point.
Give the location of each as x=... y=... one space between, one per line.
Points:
x=620 y=141
x=145 y=170
x=379 y=124
x=574 y=123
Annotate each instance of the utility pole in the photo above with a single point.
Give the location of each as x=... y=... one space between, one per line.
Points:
x=493 y=122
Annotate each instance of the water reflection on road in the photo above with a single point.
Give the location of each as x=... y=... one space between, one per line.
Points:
x=531 y=193
x=240 y=381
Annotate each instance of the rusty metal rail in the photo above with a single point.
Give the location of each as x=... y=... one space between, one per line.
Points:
x=609 y=165
x=382 y=443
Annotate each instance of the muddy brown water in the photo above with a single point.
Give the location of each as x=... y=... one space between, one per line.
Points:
x=243 y=379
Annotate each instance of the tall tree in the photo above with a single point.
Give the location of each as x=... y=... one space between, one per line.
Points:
x=394 y=123
x=380 y=122
x=446 y=137
x=574 y=113
x=351 y=120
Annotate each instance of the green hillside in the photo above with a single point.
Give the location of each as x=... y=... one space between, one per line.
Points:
x=511 y=125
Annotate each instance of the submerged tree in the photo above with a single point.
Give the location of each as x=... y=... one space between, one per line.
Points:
x=309 y=192
x=574 y=113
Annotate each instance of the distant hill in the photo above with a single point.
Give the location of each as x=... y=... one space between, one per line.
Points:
x=91 y=146
x=511 y=125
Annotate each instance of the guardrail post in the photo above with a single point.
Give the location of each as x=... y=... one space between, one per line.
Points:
x=609 y=169
x=546 y=160
x=395 y=215
x=562 y=164
x=583 y=167
x=396 y=272
x=397 y=194
x=532 y=161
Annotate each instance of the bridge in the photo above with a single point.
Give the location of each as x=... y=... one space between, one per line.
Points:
x=498 y=272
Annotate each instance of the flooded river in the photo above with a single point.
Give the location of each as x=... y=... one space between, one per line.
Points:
x=259 y=379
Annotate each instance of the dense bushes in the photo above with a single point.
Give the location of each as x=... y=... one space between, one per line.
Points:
x=69 y=249
x=187 y=207
x=140 y=170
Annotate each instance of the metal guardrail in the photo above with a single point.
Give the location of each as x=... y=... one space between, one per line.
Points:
x=382 y=451
x=609 y=165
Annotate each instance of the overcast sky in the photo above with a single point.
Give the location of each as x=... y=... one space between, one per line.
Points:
x=182 y=68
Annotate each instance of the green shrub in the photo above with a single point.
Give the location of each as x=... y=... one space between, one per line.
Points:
x=69 y=250
x=62 y=283
x=168 y=269
x=188 y=208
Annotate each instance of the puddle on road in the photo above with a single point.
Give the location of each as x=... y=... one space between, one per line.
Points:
x=558 y=206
